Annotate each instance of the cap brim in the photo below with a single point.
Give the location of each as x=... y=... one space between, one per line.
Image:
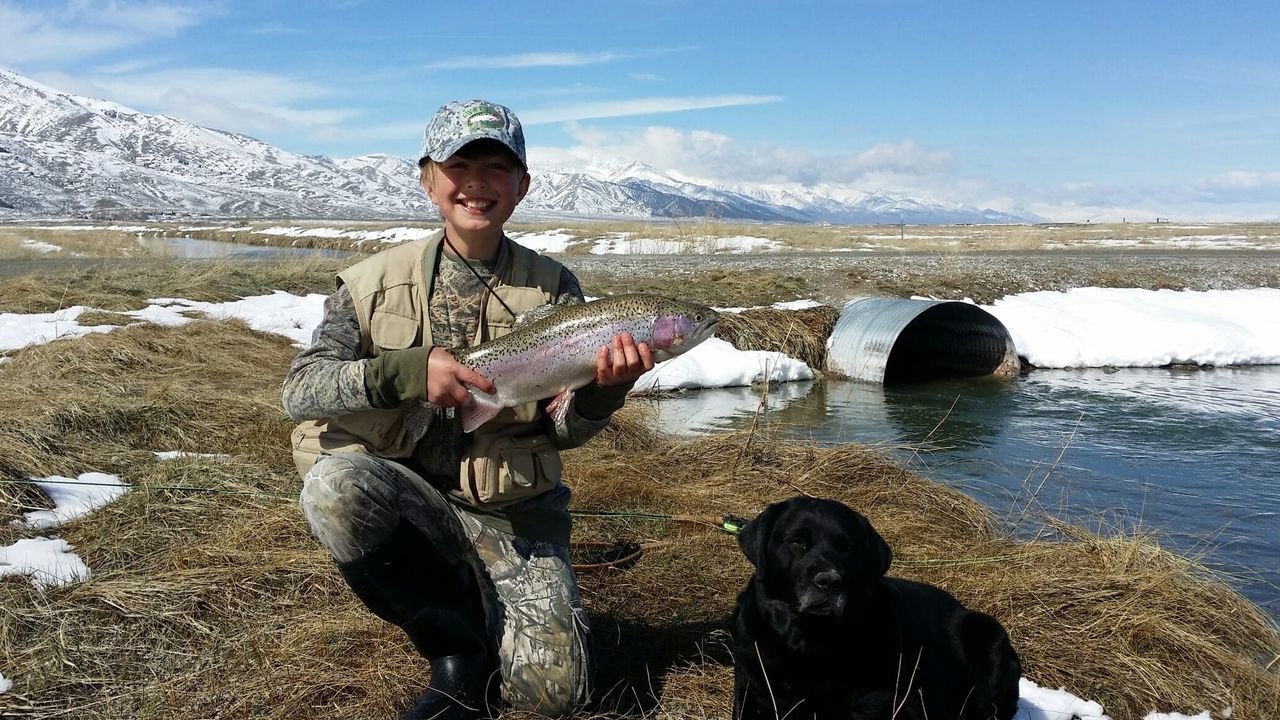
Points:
x=450 y=149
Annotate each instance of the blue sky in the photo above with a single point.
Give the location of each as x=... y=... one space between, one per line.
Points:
x=1075 y=111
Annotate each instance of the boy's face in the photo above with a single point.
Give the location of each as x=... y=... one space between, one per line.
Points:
x=477 y=193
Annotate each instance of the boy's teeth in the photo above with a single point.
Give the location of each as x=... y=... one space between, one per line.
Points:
x=478 y=204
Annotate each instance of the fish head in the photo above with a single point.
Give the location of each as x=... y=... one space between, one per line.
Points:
x=679 y=326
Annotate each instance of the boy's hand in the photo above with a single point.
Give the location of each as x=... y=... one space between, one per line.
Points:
x=622 y=361
x=447 y=380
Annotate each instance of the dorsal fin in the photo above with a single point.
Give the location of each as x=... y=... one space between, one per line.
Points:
x=534 y=314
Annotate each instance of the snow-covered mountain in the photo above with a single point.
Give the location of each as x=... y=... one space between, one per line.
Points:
x=66 y=155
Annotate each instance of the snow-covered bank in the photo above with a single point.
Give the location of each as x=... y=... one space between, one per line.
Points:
x=1101 y=327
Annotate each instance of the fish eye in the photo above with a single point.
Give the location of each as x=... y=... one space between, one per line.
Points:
x=697 y=317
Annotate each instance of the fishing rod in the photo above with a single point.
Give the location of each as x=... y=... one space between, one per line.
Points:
x=731 y=524
x=728 y=523
x=124 y=486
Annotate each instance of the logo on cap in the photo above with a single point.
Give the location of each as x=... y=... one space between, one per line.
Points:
x=484 y=116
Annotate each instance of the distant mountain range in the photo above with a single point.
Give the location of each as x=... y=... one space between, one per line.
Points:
x=63 y=155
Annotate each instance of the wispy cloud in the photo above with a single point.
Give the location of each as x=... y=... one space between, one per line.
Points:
x=639 y=106
x=125 y=67
x=223 y=98
x=709 y=156
x=80 y=29
x=526 y=60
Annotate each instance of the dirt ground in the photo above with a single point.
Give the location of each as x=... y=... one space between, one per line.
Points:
x=983 y=277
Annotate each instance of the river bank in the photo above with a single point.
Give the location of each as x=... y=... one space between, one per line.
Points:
x=208 y=596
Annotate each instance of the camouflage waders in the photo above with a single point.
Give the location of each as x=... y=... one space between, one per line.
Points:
x=532 y=609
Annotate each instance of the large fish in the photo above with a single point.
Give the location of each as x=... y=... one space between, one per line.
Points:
x=552 y=350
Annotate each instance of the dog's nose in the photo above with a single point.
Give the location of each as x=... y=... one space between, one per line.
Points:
x=828 y=580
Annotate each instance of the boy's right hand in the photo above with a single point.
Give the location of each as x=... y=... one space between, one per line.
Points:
x=447 y=380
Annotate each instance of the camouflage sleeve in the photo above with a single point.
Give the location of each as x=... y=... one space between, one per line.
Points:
x=570 y=289
x=591 y=401
x=327 y=378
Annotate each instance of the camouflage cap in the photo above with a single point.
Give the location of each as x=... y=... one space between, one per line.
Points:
x=461 y=122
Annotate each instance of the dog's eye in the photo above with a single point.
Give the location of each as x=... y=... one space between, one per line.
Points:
x=799 y=543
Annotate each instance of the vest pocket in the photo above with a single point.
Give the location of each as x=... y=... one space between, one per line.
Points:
x=500 y=469
x=390 y=331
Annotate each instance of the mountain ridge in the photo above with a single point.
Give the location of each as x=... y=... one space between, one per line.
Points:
x=68 y=155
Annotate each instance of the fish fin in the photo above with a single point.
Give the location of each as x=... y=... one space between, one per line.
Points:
x=558 y=408
x=477 y=411
x=534 y=314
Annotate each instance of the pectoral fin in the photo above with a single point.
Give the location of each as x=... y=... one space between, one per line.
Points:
x=478 y=410
x=558 y=408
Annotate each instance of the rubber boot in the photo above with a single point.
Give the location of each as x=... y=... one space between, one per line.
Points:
x=406 y=581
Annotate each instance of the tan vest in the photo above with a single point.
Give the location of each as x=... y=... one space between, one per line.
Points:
x=390 y=291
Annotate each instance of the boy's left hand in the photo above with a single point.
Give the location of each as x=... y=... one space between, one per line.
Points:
x=622 y=361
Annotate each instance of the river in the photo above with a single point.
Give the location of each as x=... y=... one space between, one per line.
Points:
x=1190 y=456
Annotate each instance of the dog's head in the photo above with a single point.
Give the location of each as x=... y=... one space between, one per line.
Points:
x=818 y=556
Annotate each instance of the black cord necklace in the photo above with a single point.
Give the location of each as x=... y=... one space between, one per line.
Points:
x=483 y=282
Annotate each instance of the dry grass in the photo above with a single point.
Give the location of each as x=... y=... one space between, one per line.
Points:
x=124 y=285
x=800 y=334
x=216 y=603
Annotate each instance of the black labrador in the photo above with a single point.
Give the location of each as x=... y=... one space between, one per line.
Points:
x=820 y=633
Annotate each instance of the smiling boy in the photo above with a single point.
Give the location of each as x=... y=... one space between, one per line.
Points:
x=460 y=539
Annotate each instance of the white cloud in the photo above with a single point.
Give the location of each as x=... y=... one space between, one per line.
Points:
x=1240 y=195
x=227 y=99
x=639 y=106
x=525 y=60
x=710 y=156
x=79 y=28
x=1240 y=186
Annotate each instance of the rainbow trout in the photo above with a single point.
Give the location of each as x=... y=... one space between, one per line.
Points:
x=552 y=350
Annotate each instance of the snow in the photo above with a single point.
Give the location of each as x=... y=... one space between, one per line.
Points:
x=1037 y=703
x=550 y=241
x=49 y=562
x=39 y=246
x=4 y=684
x=390 y=235
x=1101 y=327
x=19 y=330
x=180 y=454
x=625 y=244
x=280 y=312
x=716 y=363
x=74 y=498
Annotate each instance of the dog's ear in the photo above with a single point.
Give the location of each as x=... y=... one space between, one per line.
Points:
x=877 y=549
x=753 y=538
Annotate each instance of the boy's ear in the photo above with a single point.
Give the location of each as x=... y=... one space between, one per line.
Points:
x=524 y=187
x=427 y=185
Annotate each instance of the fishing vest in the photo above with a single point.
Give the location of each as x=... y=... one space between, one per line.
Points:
x=390 y=291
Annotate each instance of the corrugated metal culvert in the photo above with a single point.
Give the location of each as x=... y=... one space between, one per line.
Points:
x=891 y=340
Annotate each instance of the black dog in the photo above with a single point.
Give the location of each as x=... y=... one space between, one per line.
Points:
x=819 y=632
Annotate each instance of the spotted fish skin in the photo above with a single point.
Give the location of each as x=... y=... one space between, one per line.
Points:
x=556 y=353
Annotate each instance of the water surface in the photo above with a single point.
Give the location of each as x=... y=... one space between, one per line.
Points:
x=1193 y=456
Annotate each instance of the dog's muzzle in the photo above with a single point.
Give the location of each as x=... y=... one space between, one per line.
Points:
x=824 y=595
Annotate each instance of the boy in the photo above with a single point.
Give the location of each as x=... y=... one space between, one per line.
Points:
x=476 y=573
